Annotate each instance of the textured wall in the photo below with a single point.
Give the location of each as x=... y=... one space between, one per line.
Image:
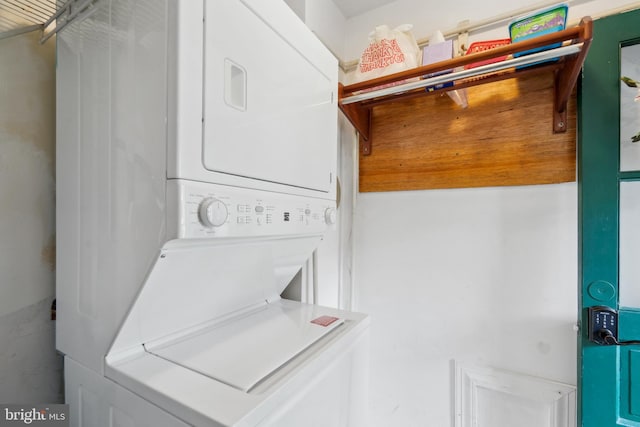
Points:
x=480 y=276
x=30 y=369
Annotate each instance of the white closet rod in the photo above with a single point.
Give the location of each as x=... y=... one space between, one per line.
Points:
x=75 y=9
x=59 y=12
x=68 y=12
x=470 y=27
x=18 y=31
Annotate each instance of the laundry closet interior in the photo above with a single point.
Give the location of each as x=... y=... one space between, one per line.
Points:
x=208 y=221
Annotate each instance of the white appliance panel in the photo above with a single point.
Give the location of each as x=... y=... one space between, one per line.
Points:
x=324 y=385
x=98 y=402
x=246 y=351
x=111 y=169
x=269 y=112
x=197 y=154
x=195 y=284
x=242 y=212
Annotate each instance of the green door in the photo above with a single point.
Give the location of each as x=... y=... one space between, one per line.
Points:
x=609 y=221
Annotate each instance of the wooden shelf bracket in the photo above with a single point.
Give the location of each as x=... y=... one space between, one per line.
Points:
x=357 y=100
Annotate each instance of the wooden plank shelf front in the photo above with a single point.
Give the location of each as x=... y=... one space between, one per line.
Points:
x=358 y=101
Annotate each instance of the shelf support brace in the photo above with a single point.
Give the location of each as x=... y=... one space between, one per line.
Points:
x=359 y=107
x=360 y=118
x=566 y=78
x=365 y=143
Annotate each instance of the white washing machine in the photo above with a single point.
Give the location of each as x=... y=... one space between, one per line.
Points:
x=196 y=173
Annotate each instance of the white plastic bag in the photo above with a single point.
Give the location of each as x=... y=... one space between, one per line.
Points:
x=389 y=51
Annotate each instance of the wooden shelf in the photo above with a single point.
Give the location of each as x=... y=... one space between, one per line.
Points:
x=358 y=100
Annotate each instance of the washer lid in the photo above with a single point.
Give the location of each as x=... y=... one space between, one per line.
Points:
x=194 y=284
x=243 y=352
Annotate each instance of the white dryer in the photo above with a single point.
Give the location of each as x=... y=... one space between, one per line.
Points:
x=196 y=173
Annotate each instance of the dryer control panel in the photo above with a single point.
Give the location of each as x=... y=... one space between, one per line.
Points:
x=211 y=210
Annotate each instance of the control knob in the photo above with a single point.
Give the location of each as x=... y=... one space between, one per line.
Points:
x=330 y=216
x=212 y=212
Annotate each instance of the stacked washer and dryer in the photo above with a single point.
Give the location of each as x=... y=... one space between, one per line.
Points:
x=196 y=174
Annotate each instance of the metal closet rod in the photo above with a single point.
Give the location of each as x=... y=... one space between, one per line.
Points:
x=468 y=27
x=76 y=9
x=18 y=31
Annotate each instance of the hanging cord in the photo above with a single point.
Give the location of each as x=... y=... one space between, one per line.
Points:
x=609 y=339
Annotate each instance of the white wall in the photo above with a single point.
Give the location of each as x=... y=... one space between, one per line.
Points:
x=326 y=21
x=426 y=18
x=481 y=276
x=30 y=369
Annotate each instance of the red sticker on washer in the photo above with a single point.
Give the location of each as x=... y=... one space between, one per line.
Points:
x=324 y=320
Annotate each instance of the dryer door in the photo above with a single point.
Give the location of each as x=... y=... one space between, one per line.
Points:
x=269 y=107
